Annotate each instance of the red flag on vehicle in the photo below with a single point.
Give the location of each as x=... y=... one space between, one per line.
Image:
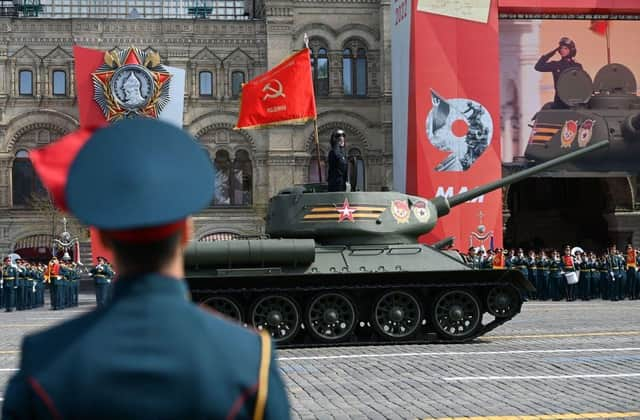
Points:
x=283 y=95
x=599 y=26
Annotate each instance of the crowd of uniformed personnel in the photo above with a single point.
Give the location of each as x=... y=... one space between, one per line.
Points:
x=611 y=274
x=23 y=284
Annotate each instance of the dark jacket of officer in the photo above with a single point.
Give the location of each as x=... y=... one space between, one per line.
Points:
x=557 y=67
x=151 y=353
x=337 y=161
x=92 y=367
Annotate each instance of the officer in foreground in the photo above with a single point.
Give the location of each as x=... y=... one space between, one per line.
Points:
x=151 y=353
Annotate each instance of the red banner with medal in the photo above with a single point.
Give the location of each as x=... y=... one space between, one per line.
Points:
x=111 y=85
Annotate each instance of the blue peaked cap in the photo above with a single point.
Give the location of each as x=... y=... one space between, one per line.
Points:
x=139 y=173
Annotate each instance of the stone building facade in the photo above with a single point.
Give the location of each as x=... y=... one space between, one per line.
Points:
x=350 y=42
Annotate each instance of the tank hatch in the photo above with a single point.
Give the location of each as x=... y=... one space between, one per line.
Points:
x=615 y=79
x=574 y=87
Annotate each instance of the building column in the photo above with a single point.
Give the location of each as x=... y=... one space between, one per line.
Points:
x=529 y=95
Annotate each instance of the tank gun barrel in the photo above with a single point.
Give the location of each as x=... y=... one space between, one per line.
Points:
x=444 y=205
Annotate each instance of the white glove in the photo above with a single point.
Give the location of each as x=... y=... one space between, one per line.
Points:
x=33 y=288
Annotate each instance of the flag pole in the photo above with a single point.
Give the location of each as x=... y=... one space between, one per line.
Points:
x=315 y=124
x=315 y=135
x=608 y=44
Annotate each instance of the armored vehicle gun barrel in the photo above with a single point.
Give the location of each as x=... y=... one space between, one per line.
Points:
x=444 y=205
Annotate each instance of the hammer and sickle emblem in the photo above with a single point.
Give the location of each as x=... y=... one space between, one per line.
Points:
x=274 y=89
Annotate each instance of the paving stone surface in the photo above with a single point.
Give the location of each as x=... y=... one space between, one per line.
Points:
x=560 y=358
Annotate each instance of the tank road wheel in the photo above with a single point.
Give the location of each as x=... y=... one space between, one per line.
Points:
x=503 y=301
x=278 y=315
x=397 y=314
x=225 y=306
x=331 y=316
x=456 y=314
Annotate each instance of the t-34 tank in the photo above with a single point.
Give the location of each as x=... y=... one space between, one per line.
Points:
x=605 y=108
x=347 y=268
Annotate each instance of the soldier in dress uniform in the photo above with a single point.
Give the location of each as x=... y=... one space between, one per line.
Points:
x=594 y=267
x=532 y=270
x=9 y=288
x=20 y=285
x=53 y=277
x=568 y=266
x=102 y=275
x=637 y=296
x=632 y=268
x=151 y=353
x=584 y=275
x=556 y=285
x=498 y=262
x=29 y=285
x=542 y=274
x=619 y=273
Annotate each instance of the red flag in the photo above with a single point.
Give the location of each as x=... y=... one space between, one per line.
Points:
x=87 y=61
x=283 y=95
x=599 y=26
x=52 y=163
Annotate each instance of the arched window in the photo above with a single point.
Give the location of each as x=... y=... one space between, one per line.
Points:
x=59 y=83
x=320 y=70
x=26 y=185
x=242 y=185
x=206 y=83
x=361 y=72
x=347 y=71
x=354 y=69
x=222 y=163
x=237 y=79
x=25 y=83
x=234 y=179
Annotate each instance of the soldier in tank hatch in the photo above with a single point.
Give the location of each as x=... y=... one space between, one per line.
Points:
x=151 y=353
x=337 y=162
x=567 y=50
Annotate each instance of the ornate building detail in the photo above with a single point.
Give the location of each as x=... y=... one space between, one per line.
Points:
x=218 y=56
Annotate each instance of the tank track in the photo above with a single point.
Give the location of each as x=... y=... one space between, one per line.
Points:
x=451 y=297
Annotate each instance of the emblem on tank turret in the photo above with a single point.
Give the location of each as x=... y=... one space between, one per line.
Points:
x=569 y=131
x=346 y=211
x=400 y=211
x=585 y=133
x=131 y=83
x=421 y=211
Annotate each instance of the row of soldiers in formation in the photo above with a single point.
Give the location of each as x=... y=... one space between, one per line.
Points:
x=612 y=275
x=22 y=284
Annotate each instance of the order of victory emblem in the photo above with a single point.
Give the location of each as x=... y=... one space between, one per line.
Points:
x=131 y=83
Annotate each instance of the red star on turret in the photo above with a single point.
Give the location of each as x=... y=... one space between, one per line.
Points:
x=345 y=211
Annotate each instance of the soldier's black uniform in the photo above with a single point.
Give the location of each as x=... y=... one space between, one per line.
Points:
x=558 y=66
x=337 y=161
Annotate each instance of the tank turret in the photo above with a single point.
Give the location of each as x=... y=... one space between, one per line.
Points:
x=345 y=268
x=606 y=107
x=295 y=213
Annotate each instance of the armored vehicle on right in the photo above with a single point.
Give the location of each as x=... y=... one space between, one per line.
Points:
x=606 y=108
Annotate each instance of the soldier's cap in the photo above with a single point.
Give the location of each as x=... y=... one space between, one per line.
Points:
x=138 y=179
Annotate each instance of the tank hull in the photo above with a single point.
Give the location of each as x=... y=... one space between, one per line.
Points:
x=362 y=295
